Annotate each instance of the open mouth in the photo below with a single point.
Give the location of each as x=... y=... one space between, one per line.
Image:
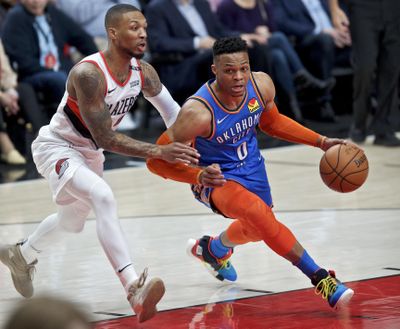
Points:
x=237 y=89
x=141 y=46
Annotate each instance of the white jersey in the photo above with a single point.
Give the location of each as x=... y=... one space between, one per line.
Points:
x=119 y=97
x=66 y=143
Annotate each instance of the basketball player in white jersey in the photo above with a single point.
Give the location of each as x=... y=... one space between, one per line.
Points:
x=69 y=154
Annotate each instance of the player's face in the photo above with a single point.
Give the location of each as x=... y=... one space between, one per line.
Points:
x=232 y=73
x=36 y=7
x=130 y=34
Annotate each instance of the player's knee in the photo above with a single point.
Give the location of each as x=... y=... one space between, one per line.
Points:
x=101 y=194
x=261 y=218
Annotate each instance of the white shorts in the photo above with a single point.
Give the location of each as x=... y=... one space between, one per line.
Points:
x=57 y=160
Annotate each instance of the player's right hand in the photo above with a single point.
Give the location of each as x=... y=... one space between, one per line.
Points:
x=177 y=152
x=212 y=176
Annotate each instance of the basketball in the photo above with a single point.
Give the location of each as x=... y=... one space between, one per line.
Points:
x=344 y=167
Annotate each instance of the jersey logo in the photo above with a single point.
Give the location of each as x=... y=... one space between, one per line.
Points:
x=61 y=167
x=253 y=105
x=134 y=83
x=221 y=120
x=111 y=90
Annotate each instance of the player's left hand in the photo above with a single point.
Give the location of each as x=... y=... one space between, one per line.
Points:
x=212 y=176
x=329 y=142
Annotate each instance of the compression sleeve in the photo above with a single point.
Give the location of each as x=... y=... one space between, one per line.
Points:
x=177 y=171
x=165 y=105
x=278 y=125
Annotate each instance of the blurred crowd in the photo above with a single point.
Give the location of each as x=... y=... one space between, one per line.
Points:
x=295 y=41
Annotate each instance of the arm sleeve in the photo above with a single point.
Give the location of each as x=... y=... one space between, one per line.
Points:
x=278 y=125
x=176 y=171
x=165 y=105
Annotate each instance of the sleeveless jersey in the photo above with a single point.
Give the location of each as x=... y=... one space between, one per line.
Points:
x=233 y=142
x=68 y=123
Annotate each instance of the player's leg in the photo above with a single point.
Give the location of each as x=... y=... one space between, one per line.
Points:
x=21 y=258
x=88 y=186
x=254 y=215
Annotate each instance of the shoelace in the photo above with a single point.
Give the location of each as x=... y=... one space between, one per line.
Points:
x=224 y=263
x=142 y=278
x=326 y=287
x=140 y=284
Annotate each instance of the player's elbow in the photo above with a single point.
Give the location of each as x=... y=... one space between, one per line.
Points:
x=154 y=166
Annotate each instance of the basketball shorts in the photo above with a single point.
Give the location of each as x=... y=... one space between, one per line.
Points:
x=57 y=160
x=256 y=183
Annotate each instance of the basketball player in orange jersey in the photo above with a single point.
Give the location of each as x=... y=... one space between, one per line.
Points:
x=221 y=120
x=69 y=153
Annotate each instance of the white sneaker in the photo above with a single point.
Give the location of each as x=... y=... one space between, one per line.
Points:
x=144 y=297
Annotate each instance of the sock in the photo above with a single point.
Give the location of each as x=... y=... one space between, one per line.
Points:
x=127 y=275
x=307 y=265
x=217 y=248
x=28 y=252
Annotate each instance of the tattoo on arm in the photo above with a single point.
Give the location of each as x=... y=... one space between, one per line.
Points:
x=90 y=86
x=152 y=84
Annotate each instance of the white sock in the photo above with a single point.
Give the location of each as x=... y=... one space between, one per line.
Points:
x=45 y=235
x=127 y=276
x=28 y=252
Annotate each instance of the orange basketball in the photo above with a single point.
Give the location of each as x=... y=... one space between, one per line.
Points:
x=344 y=168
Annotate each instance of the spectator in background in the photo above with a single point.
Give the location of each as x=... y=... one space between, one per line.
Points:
x=9 y=154
x=89 y=14
x=47 y=313
x=375 y=31
x=36 y=37
x=318 y=43
x=19 y=99
x=181 y=35
x=285 y=66
x=5 y=5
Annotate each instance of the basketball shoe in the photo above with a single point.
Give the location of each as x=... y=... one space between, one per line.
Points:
x=144 y=297
x=221 y=268
x=21 y=271
x=331 y=289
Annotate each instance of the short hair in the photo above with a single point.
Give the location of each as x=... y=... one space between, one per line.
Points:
x=229 y=45
x=115 y=12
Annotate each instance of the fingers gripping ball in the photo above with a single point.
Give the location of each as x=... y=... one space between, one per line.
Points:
x=344 y=168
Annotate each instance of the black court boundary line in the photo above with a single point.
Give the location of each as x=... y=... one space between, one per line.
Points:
x=241 y=298
x=210 y=213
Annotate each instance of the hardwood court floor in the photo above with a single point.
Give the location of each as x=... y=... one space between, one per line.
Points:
x=356 y=234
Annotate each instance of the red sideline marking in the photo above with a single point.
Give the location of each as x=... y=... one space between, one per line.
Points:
x=376 y=304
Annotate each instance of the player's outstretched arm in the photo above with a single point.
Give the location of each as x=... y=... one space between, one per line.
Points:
x=278 y=125
x=156 y=93
x=193 y=120
x=87 y=85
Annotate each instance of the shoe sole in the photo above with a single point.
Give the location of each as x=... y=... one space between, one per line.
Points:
x=344 y=300
x=154 y=291
x=189 y=247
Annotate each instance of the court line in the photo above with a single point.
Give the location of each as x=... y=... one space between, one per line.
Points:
x=213 y=214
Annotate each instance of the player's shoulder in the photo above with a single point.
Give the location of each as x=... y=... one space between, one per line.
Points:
x=265 y=85
x=196 y=108
x=86 y=68
x=261 y=78
x=152 y=84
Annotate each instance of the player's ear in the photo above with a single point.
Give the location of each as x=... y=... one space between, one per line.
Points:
x=112 y=33
x=213 y=69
